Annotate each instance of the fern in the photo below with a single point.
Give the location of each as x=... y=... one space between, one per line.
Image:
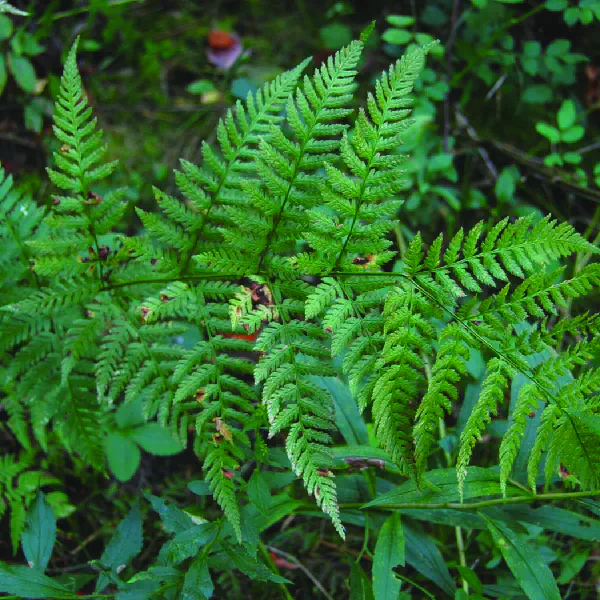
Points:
x=282 y=239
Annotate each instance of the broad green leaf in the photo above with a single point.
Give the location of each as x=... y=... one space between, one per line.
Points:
x=6 y=27
x=572 y=566
x=30 y=583
x=335 y=35
x=360 y=585
x=389 y=553
x=23 y=72
x=259 y=493
x=39 y=534
x=557 y=5
x=566 y=115
x=125 y=543
x=479 y=482
x=447 y=516
x=138 y=590
x=471 y=578
x=156 y=440
x=197 y=584
x=251 y=566
x=423 y=555
x=199 y=487
x=174 y=519
x=347 y=416
x=506 y=184
x=362 y=456
x=532 y=574
x=558 y=519
x=33 y=117
x=537 y=94
x=130 y=414
x=187 y=543
x=123 y=455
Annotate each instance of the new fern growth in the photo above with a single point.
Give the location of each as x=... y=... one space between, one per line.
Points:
x=277 y=262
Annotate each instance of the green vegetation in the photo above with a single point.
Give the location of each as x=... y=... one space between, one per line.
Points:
x=349 y=349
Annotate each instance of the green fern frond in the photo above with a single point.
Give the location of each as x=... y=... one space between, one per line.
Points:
x=507 y=249
x=287 y=181
x=449 y=367
x=492 y=394
x=364 y=198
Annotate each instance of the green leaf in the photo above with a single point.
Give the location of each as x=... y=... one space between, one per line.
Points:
x=506 y=184
x=125 y=543
x=258 y=492
x=174 y=519
x=199 y=487
x=130 y=414
x=471 y=578
x=572 y=566
x=389 y=553
x=549 y=132
x=399 y=37
x=566 y=114
x=23 y=72
x=30 y=583
x=201 y=86
x=360 y=586
x=439 y=162
x=347 y=416
x=34 y=119
x=423 y=555
x=156 y=440
x=573 y=134
x=558 y=519
x=537 y=94
x=6 y=27
x=532 y=49
x=197 y=584
x=532 y=574
x=556 y=5
x=335 y=36
x=572 y=158
x=123 y=456
x=400 y=20
x=39 y=534
x=479 y=482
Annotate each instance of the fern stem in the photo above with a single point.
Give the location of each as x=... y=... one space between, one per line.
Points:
x=475 y=505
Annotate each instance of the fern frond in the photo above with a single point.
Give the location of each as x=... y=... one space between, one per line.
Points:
x=449 y=367
x=290 y=357
x=492 y=394
x=507 y=249
x=287 y=181
x=364 y=198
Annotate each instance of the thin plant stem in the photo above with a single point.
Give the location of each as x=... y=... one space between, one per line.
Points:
x=476 y=505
